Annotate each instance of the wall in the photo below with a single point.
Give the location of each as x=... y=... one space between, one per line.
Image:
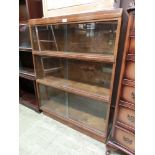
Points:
x=61 y=7
x=125 y=4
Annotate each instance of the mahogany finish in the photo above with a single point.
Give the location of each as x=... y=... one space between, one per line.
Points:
x=132 y=44
x=123 y=130
x=28 y=94
x=27 y=91
x=130 y=70
x=125 y=138
x=94 y=92
x=128 y=94
x=75 y=58
x=126 y=116
x=34 y=8
x=78 y=18
x=75 y=125
x=78 y=56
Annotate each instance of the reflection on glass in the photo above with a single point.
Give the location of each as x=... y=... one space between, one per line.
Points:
x=48 y=37
x=90 y=113
x=53 y=100
x=96 y=37
x=93 y=73
x=24 y=37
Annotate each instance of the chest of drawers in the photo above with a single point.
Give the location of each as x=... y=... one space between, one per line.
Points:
x=123 y=130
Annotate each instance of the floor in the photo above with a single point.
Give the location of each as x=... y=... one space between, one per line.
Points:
x=41 y=135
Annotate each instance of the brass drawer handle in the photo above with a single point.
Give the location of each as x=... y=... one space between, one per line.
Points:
x=133 y=95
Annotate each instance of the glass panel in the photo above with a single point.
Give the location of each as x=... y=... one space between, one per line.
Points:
x=53 y=100
x=96 y=37
x=90 y=112
x=93 y=73
x=24 y=36
x=48 y=37
x=34 y=39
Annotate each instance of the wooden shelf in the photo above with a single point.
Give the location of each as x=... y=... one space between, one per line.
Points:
x=79 y=56
x=29 y=100
x=86 y=90
x=48 y=41
x=29 y=49
x=23 y=22
x=27 y=73
x=105 y=15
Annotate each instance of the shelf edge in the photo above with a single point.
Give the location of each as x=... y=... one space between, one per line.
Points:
x=76 y=91
x=78 y=56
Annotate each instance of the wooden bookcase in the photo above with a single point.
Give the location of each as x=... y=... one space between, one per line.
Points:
x=75 y=59
x=123 y=130
x=27 y=78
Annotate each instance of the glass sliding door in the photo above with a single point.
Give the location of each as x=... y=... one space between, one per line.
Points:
x=90 y=113
x=53 y=100
x=95 y=37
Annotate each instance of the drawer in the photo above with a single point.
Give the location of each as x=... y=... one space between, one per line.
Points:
x=128 y=94
x=125 y=138
x=133 y=23
x=130 y=70
x=132 y=45
x=126 y=116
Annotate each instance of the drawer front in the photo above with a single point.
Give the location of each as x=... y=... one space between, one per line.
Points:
x=128 y=94
x=133 y=23
x=130 y=70
x=125 y=138
x=132 y=45
x=126 y=116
